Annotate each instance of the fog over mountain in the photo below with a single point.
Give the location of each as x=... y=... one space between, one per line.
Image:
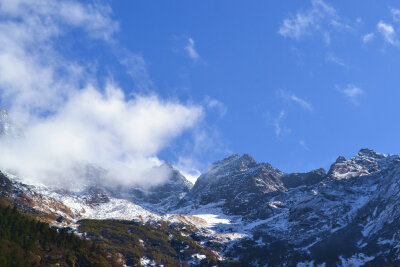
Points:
x=67 y=118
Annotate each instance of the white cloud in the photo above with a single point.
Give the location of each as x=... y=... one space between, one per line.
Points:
x=291 y=97
x=334 y=59
x=191 y=51
x=388 y=33
x=302 y=143
x=217 y=105
x=368 y=37
x=277 y=123
x=94 y=18
x=136 y=68
x=352 y=92
x=395 y=14
x=317 y=18
x=69 y=122
x=186 y=167
x=304 y=104
x=121 y=135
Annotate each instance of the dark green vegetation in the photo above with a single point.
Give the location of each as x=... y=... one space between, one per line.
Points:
x=160 y=242
x=25 y=241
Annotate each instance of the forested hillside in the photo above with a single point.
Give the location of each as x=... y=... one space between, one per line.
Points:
x=25 y=241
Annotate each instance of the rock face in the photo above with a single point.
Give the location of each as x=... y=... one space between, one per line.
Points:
x=303 y=179
x=244 y=187
x=351 y=216
x=5 y=186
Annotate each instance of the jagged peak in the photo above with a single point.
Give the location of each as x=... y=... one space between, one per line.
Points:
x=365 y=162
x=235 y=159
x=232 y=157
x=174 y=175
x=340 y=159
x=366 y=152
x=247 y=157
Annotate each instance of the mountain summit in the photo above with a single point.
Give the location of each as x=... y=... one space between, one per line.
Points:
x=242 y=186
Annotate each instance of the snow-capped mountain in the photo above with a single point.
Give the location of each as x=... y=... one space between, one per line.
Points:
x=254 y=212
x=349 y=217
x=244 y=187
x=239 y=183
x=346 y=216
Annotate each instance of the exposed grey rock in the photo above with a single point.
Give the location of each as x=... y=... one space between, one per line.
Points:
x=303 y=179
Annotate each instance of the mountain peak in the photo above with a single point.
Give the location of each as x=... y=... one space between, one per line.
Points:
x=366 y=152
x=247 y=157
x=366 y=162
x=340 y=159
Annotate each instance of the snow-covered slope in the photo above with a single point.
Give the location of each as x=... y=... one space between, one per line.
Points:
x=254 y=212
x=350 y=216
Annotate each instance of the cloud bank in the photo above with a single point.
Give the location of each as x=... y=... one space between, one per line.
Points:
x=72 y=129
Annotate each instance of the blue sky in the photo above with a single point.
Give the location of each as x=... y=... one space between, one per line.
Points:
x=293 y=83
x=296 y=97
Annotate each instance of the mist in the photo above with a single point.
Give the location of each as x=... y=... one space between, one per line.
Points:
x=68 y=125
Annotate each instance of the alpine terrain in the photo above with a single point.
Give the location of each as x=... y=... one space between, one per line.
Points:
x=238 y=213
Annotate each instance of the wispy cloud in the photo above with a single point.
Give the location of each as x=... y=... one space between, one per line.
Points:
x=395 y=14
x=388 y=29
x=334 y=59
x=276 y=123
x=320 y=17
x=291 y=97
x=216 y=105
x=136 y=68
x=191 y=51
x=327 y=38
x=302 y=143
x=368 y=37
x=187 y=167
x=388 y=33
x=352 y=92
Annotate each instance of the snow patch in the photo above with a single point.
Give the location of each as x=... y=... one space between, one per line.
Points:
x=356 y=260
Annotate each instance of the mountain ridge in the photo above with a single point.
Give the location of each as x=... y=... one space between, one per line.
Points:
x=254 y=212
